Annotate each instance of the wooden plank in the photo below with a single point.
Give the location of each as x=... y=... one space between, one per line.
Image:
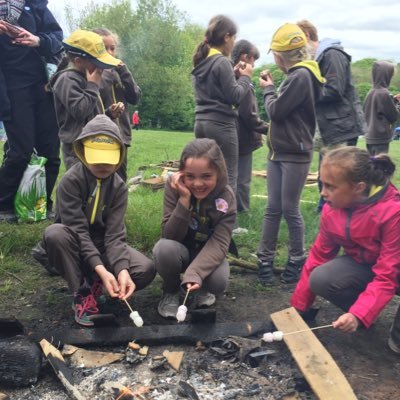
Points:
x=62 y=371
x=317 y=365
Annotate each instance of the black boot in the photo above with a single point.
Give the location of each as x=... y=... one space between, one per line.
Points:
x=265 y=272
x=292 y=271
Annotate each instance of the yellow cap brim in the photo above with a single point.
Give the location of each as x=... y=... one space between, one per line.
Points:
x=96 y=156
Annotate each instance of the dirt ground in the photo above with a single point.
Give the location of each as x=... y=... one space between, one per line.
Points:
x=371 y=368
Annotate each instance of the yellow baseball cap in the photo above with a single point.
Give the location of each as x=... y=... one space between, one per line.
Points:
x=90 y=45
x=101 y=149
x=282 y=40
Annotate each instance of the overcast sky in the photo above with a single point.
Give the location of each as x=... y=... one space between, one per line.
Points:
x=367 y=28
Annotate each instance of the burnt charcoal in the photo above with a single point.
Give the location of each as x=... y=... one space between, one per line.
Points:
x=132 y=357
x=186 y=390
x=156 y=364
x=255 y=358
x=252 y=390
x=301 y=385
x=225 y=348
x=20 y=362
x=10 y=327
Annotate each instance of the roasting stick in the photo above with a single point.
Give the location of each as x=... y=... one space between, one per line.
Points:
x=134 y=315
x=278 y=335
x=309 y=329
x=186 y=296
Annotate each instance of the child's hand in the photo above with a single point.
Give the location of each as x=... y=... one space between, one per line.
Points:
x=94 y=75
x=116 y=109
x=244 y=69
x=126 y=285
x=265 y=79
x=178 y=184
x=109 y=281
x=347 y=323
x=192 y=286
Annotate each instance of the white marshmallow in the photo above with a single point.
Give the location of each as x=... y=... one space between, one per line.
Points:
x=277 y=335
x=268 y=337
x=181 y=314
x=136 y=318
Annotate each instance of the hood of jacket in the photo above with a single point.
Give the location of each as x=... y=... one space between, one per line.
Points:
x=326 y=44
x=382 y=73
x=99 y=125
x=313 y=67
x=203 y=69
x=55 y=77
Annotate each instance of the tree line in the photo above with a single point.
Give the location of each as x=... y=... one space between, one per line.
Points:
x=157 y=42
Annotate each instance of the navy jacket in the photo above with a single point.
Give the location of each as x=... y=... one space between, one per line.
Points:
x=22 y=66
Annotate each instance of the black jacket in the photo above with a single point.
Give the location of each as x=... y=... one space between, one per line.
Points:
x=339 y=111
x=22 y=66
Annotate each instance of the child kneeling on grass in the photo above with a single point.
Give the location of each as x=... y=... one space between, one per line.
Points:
x=87 y=243
x=362 y=216
x=199 y=215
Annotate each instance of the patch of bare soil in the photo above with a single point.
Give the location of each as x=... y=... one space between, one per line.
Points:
x=363 y=357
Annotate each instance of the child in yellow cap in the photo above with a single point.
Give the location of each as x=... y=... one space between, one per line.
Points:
x=76 y=88
x=118 y=86
x=291 y=110
x=87 y=243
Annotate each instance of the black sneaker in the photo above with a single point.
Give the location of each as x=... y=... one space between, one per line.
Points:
x=292 y=271
x=265 y=272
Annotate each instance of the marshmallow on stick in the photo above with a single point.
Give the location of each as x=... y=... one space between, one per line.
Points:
x=134 y=316
x=182 y=309
x=270 y=337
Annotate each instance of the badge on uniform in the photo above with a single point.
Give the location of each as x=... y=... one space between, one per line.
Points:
x=221 y=205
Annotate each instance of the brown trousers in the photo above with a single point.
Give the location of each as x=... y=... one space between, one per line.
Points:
x=63 y=249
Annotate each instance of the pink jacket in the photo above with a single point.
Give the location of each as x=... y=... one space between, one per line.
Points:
x=370 y=234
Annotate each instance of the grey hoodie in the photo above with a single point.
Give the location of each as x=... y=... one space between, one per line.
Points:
x=205 y=229
x=217 y=90
x=95 y=208
x=379 y=107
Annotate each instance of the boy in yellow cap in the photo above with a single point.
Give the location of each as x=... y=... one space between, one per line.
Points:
x=87 y=243
x=76 y=86
x=291 y=110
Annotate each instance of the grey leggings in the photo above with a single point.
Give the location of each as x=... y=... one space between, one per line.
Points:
x=341 y=281
x=226 y=136
x=171 y=258
x=285 y=183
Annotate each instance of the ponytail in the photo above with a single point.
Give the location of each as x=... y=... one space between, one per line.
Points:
x=218 y=27
x=359 y=166
x=383 y=169
x=201 y=53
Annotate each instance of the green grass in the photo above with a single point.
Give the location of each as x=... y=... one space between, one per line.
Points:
x=145 y=210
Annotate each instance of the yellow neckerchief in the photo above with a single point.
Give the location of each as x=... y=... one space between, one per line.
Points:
x=213 y=52
x=313 y=67
x=96 y=201
x=374 y=190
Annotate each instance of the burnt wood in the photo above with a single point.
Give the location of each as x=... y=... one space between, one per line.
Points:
x=154 y=334
x=20 y=362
